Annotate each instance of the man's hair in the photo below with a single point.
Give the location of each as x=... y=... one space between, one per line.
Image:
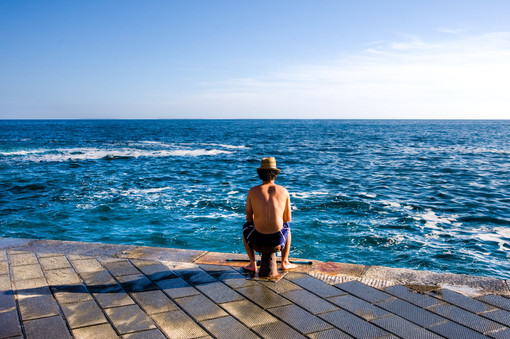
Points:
x=267 y=174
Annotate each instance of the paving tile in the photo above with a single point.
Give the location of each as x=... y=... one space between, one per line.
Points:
x=112 y=296
x=263 y=296
x=47 y=255
x=310 y=301
x=363 y=291
x=200 y=308
x=62 y=276
x=462 y=301
x=52 y=263
x=151 y=334
x=283 y=285
x=317 y=286
x=3 y=255
x=7 y=301
x=103 y=331
x=71 y=293
x=359 y=307
x=353 y=325
x=298 y=318
x=219 y=292
x=215 y=270
x=418 y=299
x=504 y=334
x=4 y=268
x=248 y=313
x=154 y=301
x=178 y=325
x=404 y=328
x=136 y=283
x=467 y=319
x=277 y=330
x=330 y=334
x=176 y=288
x=32 y=288
x=83 y=314
x=454 y=330
x=500 y=316
x=235 y=279
x=46 y=328
x=128 y=319
x=86 y=265
x=97 y=280
x=156 y=271
x=228 y=327
x=194 y=275
x=412 y=313
x=496 y=300
x=38 y=307
x=120 y=268
x=10 y=324
x=23 y=259
x=27 y=272
x=5 y=282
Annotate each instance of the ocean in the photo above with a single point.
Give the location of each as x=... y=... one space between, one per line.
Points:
x=419 y=194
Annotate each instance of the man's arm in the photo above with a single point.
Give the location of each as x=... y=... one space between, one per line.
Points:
x=249 y=209
x=287 y=217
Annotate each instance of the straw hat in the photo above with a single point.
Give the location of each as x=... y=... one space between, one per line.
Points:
x=268 y=164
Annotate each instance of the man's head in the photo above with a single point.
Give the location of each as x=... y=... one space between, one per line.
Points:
x=267 y=170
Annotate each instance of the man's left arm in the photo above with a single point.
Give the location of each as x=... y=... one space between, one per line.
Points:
x=249 y=209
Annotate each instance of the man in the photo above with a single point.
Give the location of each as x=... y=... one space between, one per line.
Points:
x=268 y=216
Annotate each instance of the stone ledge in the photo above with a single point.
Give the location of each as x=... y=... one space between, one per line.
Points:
x=330 y=272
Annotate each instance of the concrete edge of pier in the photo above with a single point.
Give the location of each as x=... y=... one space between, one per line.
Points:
x=329 y=272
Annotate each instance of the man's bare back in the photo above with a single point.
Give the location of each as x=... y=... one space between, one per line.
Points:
x=268 y=207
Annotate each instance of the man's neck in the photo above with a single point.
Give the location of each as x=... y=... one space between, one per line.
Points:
x=268 y=182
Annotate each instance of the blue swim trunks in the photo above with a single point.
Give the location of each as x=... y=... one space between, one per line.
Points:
x=252 y=236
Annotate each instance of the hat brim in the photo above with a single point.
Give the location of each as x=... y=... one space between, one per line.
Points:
x=269 y=168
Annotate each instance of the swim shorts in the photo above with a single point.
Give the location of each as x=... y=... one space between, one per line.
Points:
x=253 y=237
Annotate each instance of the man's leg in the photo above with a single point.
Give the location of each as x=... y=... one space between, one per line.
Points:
x=252 y=266
x=286 y=264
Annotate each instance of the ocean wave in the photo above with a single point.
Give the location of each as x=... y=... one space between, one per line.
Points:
x=454 y=149
x=431 y=219
x=226 y=146
x=307 y=195
x=80 y=154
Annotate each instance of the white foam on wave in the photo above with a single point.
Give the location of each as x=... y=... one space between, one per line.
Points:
x=431 y=219
x=215 y=215
x=144 y=191
x=499 y=235
x=226 y=146
x=306 y=195
x=91 y=153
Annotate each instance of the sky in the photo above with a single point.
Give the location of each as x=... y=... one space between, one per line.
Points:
x=231 y=59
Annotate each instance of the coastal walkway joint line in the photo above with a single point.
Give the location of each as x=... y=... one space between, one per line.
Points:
x=56 y=289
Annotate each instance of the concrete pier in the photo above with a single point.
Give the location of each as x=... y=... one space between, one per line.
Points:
x=60 y=289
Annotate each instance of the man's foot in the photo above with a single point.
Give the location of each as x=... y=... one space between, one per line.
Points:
x=251 y=267
x=287 y=265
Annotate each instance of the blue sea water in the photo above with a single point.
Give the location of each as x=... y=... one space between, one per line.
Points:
x=428 y=195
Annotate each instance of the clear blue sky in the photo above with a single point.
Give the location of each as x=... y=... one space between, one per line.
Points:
x=255 y=59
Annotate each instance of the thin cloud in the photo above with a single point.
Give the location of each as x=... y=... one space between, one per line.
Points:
x=465 y=77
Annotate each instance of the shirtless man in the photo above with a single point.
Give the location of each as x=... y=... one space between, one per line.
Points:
x=268 y=216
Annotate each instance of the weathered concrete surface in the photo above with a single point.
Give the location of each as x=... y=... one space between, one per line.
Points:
x=59 y=289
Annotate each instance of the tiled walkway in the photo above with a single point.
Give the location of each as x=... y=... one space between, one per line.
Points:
x=61 y=290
